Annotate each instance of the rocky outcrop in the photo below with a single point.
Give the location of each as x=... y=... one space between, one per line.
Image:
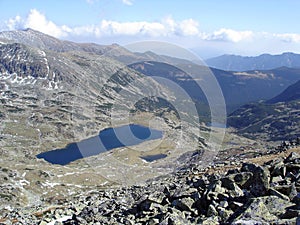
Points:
x=251 y=194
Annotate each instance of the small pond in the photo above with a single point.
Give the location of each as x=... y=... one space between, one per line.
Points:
x=151 y=158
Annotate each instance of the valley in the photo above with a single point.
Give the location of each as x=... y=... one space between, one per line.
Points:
x=151 y=115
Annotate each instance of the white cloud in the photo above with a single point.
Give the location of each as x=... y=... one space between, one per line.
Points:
x=127 y=2
x=132 y=28
x=189 y=27
x=14 y=23
x=228 y=35
x=167 y=28
x=170 y=24
x=38 y=21
x=289 y=37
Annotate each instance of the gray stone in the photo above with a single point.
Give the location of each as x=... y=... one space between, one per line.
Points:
x=213 y=220
x=184 y=204
x=292 y=192
x=156 y=197
x=211 y=211
x=278 y=194
x=296 y=199
x=266 y=209
x=234 y=206
x=242 y=178
x=293 y=158
x=153 y=221
x=259 y=183
x=249 y=221
x=224 y=204
x=279 y=169
x=224 y=213
x=276 y=179
x=58 y=223
x=199 y=183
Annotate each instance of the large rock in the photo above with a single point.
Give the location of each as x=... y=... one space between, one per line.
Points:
x=232 y=189
x=184 y=204
x=294 y=157
x=266 y=210
x=259 y=183
x=241 y=178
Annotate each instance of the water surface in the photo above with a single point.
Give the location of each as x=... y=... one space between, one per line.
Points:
x=151 y=158
x=107 y=139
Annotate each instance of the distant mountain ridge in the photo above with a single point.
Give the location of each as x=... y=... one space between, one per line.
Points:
x=261 y=62
x=238 y=88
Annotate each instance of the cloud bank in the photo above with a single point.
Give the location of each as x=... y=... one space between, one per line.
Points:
x=167 y=27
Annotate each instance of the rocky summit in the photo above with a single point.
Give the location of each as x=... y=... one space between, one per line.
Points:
x=259 y=190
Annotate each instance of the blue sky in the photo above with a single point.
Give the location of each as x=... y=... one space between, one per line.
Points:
x=208 y=27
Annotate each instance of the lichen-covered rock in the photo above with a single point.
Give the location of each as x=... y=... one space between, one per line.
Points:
x=265 y=209
x=259 y=183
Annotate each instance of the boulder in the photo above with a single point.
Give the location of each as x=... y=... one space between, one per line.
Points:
x=184 y=204
x=242 y=178
x=266 y=210
x=211 y=211
x=232 y=189
x=293 y=158
x=278 y=194
x=259 y=183
x=213 y=220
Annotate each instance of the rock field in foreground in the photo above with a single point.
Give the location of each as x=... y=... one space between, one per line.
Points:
x=245 y=194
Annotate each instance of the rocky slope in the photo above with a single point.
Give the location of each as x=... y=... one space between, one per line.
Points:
x=275 y=120
x=54 y=93
x=260 y=190
x=290 y=94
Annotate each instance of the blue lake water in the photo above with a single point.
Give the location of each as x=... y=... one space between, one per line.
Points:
x=151 y=158
x=107 y=139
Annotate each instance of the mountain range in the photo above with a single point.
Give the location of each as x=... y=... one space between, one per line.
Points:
x=238 y=88
x=43 y=41
x=56 y=92
x=30 y=46
x=261 y=62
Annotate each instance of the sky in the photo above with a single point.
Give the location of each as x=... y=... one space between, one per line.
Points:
x=207 y=27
